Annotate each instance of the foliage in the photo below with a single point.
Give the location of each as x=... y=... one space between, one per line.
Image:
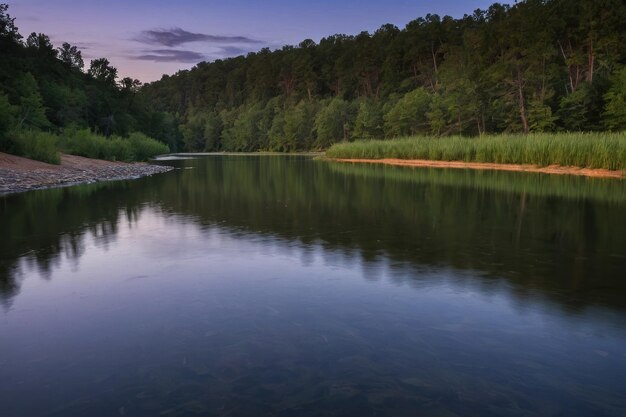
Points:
x=32 y=113
x=138 y=147
x=615 y=113
x=101 y=70
x=45 y=88
x=593 y=150
x=369 y=120
x=71 y=56
x=533 y=66
x=144 y=147
x=7 y=116
x=332 y=123
x=41 y=146
x=408 y=115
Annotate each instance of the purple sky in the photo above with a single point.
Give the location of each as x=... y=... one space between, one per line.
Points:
x=147 y=38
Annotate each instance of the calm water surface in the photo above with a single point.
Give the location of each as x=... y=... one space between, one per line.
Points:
x=285 y=286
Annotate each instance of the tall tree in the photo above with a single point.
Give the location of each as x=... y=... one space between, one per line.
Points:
x=32 y=112
x=71 y=56
x=101 y=70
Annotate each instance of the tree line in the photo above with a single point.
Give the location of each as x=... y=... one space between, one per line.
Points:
x=47 y=88
x=535 y=66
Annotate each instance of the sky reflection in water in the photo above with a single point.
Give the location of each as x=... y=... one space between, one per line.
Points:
x=190 y=297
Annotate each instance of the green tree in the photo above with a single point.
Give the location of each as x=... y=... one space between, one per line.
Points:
x=41 y=44
x=369 y=120
x=409 y=115
x=8 y=30
x=32 y=112
x=7 y=120
x=276 y=134
x=202 y=132
x=101 y=70
x=579 y=110
x=615 y=109
x=298 y=127
x=540 y=117
x=245 y=134
x=71 y=56
x=65 y=105
x=333 y=122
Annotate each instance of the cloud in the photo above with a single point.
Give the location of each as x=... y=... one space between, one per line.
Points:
x=177 y=36
x=84 y=45
x=227 y=51
x=170 y=55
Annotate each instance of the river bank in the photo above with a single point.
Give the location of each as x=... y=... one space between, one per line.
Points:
x=551 y=169
x=19 y=174
x=597 y=154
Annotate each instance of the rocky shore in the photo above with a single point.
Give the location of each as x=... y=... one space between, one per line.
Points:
x=19 y=174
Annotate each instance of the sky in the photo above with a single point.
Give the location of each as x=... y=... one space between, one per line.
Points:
x=145 y=39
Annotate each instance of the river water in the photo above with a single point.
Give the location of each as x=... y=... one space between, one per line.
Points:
x=289 y=286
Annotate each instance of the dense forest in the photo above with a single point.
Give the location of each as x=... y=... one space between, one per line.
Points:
x=538 y=65
x=535 y=66
x=44 y=89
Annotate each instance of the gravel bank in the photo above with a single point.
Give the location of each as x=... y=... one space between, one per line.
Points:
x=19 y=174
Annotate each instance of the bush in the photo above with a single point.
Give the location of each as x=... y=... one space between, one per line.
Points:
x=144 y=147
x=83 y=142
x=41 y=146
x=115 y=148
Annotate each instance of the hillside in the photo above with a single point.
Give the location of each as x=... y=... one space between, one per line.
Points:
x=537 y=66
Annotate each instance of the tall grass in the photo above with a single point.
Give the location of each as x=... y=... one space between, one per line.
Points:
x=144 y=147
x=45 y=146
x=137 y=147
x=41 y=146
x=591 y=150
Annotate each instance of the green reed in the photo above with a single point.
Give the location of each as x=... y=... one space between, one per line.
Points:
x=590 y=150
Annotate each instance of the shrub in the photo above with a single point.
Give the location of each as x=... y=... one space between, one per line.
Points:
x=144 y=147
x=83 y=142
x=41 y=146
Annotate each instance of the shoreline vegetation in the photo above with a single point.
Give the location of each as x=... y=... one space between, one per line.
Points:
x=50 y=104
x=18 y=174
x=48 y=147
x=588 y=154
x=438 y=76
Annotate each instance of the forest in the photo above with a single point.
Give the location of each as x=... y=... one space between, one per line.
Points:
x=49 y=100
x=535 y=66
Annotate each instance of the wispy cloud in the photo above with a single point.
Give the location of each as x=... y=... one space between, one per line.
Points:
x=170 y=55
x=227 y=51
x=177 y=36
x=84 y=45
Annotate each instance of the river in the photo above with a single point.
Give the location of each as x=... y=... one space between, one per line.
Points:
x=290 y=286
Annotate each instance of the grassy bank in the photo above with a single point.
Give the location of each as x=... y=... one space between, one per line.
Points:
x=45 y=146
x=588 y=150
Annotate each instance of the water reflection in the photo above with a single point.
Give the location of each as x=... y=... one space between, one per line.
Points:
x=555 y=235
x=41 y=227
x=292 y=287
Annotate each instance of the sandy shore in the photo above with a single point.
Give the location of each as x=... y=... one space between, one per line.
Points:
x=19 y=174
x=551 y=169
